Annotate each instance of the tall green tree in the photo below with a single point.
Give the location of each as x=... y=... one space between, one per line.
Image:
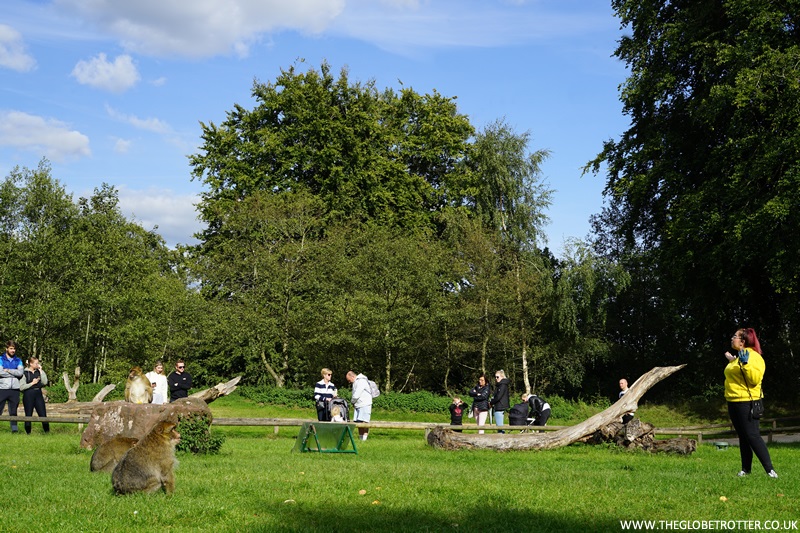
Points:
x=704 y=184
x=368 y=155
x=511 y=199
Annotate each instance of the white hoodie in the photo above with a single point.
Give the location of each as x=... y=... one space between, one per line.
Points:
x=362 y=394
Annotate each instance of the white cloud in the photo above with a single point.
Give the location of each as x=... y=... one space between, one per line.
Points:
x=405 y=26
x=121 y=146
x=99 y=73
x=174 y=214
x=150 y=124
x=202 y=28
x=12 y=50
x=158 y=82
x=49 y=137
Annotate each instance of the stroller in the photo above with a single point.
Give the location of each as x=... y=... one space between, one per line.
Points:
x=344 y=409
x=518 y=416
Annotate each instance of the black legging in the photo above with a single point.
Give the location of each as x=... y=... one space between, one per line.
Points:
x=12 y=397
x=749 y=436
x=33 y=399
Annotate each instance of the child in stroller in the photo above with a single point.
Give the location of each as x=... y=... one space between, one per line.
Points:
x=340 y=405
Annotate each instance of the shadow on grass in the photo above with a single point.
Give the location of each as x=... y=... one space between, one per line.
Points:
x=348 y=517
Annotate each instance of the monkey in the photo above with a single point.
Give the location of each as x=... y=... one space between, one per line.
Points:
x=138 y=388
x=107 y=455
x=150 y=464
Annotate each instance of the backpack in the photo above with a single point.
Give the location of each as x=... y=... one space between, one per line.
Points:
x=373 y=389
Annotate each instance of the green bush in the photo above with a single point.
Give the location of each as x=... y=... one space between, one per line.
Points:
x=417 y=402
x=276 y=396
x=413 y=402
x=196 y=435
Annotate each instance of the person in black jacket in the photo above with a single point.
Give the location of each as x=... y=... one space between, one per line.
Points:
x=480 y=406
x=540 y=409
x=33 y=379
x=180 y=381
x=500 y=400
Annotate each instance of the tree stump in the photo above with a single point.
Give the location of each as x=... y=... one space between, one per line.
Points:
x=124 y=419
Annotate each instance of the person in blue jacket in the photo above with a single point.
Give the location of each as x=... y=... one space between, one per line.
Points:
x=10 y=372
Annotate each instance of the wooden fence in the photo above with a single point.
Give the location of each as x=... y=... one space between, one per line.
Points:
x=769 y=426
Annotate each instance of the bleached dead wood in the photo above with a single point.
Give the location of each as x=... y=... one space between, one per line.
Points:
x=450 y=440
x=72 y=390
x=74 y=407
x=220 y=389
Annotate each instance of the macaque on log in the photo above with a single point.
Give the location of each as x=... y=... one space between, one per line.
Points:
x=450 y=440
x=138 y=388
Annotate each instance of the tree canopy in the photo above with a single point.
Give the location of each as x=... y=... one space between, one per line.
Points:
x=703 y=187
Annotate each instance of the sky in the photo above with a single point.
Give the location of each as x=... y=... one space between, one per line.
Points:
x=112 y=91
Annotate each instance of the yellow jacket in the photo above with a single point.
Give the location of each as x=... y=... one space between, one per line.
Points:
x=735 y=387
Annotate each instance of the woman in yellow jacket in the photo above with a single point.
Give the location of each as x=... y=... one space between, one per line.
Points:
x=743 y=376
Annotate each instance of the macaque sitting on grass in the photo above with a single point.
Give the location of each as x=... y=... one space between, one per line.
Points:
x=150 y=464
x=107 y=455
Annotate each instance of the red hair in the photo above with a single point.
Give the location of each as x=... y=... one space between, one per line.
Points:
x=750 y=339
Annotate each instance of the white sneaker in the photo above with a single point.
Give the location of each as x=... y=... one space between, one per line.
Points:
x=772 y=473
x=743 y=473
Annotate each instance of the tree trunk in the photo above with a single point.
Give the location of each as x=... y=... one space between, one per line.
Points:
x=449 y=440
x=277 y=377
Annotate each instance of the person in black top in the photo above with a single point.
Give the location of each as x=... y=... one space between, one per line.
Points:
x=480 y=406
x=457 y=409
x=540 y=409
x=500 y=400
x=180 y=381
x=33 y=379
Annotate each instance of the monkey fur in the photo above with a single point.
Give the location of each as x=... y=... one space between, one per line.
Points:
x=107 y=455
x=138 y=388
x=150 y=464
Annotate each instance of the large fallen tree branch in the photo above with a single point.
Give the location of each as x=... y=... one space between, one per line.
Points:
x=86 y=408
x=450 y=440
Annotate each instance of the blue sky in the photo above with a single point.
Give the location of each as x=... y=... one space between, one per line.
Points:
x=113 y=91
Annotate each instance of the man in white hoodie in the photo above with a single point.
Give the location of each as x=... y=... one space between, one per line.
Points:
x=362 y=401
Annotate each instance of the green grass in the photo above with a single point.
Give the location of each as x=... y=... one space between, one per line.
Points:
x=257 y=484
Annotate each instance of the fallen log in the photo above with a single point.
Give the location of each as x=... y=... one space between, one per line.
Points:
x=450 y=440
x=74 y=407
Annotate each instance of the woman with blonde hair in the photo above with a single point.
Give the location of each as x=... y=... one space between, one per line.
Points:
x=324 y=392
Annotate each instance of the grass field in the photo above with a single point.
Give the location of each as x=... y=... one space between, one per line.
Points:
x=257 y=483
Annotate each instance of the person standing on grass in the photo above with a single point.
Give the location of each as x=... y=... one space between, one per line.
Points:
x=10 y=372
x=500 y=401
x=33 y=379
x=457 y=409
x=159 y=383
x=743 y=375
x=480 y=405
x=324 y=392
x=623 y=386
x=180 y=381
x=362 y=401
